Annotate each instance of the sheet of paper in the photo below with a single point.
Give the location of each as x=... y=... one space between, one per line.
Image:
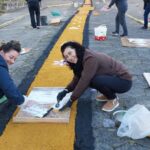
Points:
x=59 y=63
x=25 y=50
x=46 y=95
x=147 y=77
x=35 y=110
x=140 y=42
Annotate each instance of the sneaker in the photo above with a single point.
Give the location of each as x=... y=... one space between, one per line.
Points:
x=115 y=34
x=101 y=98
x=110 y=105
x=38 y=27
x=144 y=28
x=123 y=35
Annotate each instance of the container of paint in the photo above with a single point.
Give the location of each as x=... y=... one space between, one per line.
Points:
x=118 y=115
x=100 y=33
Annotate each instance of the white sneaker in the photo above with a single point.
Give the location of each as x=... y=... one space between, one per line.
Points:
x=115 y=34
x=101 y=98
x=111 y=105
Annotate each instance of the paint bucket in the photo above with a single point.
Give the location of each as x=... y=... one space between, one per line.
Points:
x=100 y=33
x=44 y=20
x=118 y=115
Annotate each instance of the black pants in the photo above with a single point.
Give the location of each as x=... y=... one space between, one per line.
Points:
x=110 y=85
x=34 y=10
x=120 y=20
x=6 y=111
x=146 y=13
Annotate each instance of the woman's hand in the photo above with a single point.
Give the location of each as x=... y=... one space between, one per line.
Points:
x=67 y=105
x=61 y=95
x=105 y=8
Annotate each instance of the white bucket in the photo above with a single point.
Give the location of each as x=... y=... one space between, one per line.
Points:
x=100 y=32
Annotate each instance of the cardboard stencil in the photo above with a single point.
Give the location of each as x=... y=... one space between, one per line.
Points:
x=135 y=42
x=39 y=102
x=147 y=77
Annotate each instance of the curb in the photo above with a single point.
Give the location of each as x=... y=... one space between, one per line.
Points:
x=12 y=21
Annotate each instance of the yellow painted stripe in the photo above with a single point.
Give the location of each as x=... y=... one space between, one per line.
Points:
x=49 y=136
x=137 y=20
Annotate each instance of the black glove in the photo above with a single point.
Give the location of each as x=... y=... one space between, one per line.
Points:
x=61 y=95
x=67 y=105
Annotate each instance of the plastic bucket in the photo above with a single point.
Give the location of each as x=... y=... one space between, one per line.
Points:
x=44 y=20
x=118 y=115
x=100 y=33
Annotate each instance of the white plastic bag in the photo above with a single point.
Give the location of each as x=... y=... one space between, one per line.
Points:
x=135 y=123
x=100 y=32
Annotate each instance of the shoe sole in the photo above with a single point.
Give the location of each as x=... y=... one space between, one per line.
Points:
x=111 y=109
x=101 y=100
x=115 y=35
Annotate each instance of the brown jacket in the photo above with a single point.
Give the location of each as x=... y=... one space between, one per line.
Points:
x=96 y=63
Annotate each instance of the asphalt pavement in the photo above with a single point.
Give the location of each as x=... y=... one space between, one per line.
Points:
x=136 y=59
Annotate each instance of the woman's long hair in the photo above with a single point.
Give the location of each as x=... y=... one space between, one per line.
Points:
x=79 y=49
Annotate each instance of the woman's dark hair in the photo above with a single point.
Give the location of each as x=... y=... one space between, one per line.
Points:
x=78 y=67
x=6 y=47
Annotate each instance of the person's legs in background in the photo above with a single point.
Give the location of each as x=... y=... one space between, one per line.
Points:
x=146 y=13
x=117 y=23
x=122 y=21
x=116 y=32
x=37 y=11
x=32 y=17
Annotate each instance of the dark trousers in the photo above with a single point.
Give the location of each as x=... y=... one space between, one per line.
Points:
x=34 y=10
x=146 y=13
x=6 y=111
x=110 y=85
x=120 y=20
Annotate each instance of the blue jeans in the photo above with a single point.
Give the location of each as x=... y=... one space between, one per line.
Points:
x=120 y=20
x=146 y=13
x=110 y=85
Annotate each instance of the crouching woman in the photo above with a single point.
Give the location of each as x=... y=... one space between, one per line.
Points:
x=8 y=91
x=96 y=70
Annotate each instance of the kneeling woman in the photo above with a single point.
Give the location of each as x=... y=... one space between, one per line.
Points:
x=95 y=70
x=8 y=54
